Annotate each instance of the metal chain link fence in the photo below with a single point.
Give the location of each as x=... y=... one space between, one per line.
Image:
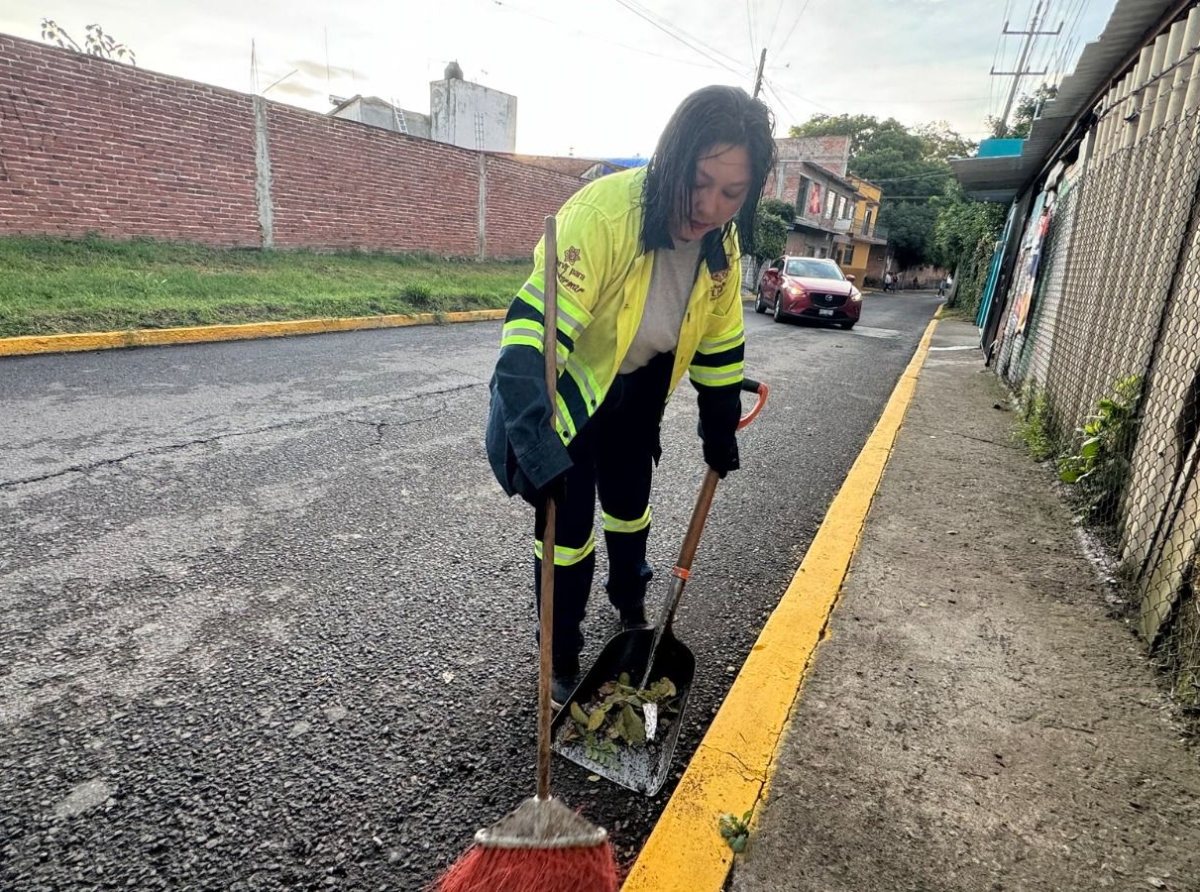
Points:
x=1101 y=337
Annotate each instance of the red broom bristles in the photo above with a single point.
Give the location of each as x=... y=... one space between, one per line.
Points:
x=483 y=869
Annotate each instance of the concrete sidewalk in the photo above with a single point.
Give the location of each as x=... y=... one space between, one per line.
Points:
x=974 y=719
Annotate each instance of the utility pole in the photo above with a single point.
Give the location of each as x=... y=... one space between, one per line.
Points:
x=762 y=61
x=1021 y=71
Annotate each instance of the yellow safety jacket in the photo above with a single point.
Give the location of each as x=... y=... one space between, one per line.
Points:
x=603 y=281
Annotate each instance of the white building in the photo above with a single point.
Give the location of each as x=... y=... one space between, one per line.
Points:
x=461 y=113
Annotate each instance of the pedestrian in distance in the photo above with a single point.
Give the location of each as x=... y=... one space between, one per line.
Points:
x=649 y=291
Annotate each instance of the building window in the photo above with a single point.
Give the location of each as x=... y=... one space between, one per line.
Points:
x=812 y=206
x=802 y=195
x=841 y=207
x=848 y=255
x=824 y=253
x=867 y=223
x=830 y=203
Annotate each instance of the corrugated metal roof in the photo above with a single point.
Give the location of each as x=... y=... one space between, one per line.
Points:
x=1002 y=179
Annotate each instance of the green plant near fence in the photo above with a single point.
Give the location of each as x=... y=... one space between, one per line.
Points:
x=973 y=274
x=1033 y=422
x=1098 y=467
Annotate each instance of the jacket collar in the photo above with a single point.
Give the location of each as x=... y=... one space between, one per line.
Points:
x=712 y=248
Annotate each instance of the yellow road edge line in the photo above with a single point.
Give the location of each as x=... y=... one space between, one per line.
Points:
x=157 y=337
x=731 y=769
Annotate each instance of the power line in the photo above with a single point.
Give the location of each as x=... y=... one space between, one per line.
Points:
x=800 y=14
x=790 y=92
x=915 y=176
x=692 y=43
x=750 y=30
x=1021 y=70
x=775 y=24
x=770 y=86
x=503 y=4
x=1072 y=42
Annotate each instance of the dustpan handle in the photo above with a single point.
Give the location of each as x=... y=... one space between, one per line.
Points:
x=691 y=541
x=546 y=614
x=683 y=566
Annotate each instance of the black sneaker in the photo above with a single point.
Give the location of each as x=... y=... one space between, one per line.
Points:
x=633 y=617
x=564 y=679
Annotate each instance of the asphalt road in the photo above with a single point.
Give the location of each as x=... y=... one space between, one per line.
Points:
x=265 y=617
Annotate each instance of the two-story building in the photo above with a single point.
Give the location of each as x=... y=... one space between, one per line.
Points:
x=866 y=255
x=830 y=208
x=825 y=206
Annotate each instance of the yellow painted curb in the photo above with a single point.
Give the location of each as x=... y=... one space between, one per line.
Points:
x=732 y=767
x=156 y=337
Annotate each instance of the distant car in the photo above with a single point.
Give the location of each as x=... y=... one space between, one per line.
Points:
x=809 y=288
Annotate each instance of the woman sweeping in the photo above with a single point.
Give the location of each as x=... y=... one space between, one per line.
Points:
x=649 y=289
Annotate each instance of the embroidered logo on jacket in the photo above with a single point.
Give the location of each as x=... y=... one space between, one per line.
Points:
x=718 y=279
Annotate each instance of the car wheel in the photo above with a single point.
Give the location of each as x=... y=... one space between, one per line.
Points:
x=778 y=307
x=760 y=305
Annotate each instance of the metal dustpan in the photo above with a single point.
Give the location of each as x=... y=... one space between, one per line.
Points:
x=647 y=655
x=643 y=769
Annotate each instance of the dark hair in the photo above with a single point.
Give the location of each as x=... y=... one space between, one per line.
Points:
x=710 y=116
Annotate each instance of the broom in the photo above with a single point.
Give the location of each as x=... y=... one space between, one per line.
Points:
x=543 y=846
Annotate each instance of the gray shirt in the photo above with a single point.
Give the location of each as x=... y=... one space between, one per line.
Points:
x=671 y=283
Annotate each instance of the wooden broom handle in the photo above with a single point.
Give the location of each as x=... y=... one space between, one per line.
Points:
x=545 y=654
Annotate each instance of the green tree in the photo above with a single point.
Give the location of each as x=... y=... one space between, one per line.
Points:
x=964 y=238
x=910 y=231
x=97 y=42
x=910 y=165
x=780 y=208
x=942 y=143
x=862 y=129
x=770 y=238
x=1029 y=106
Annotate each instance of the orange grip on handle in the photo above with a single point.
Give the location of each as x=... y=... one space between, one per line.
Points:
x=753 y=387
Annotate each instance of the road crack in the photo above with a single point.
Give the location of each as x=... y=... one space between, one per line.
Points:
x=87 y=467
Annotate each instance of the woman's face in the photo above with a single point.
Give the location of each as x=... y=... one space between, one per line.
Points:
x=722 y=181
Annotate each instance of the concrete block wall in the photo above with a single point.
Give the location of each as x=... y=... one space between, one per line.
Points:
x=91 y=145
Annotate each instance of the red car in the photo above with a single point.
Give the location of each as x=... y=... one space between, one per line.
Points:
x=809 y=288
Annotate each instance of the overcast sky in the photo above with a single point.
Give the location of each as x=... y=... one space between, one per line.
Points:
x=593 y=77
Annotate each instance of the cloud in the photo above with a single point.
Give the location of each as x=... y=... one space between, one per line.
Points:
x=297 y=88
x=319 y=69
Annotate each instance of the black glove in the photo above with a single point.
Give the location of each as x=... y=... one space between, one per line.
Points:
x=557 y=487
x=722 y=456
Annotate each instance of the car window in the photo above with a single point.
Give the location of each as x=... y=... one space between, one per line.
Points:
x=777 y=265
x=814 y=269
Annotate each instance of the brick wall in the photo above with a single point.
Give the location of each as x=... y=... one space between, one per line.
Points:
x=512 y=187
x=341 y=184
x=87 y=144
x=91 y=145
x=829 y=152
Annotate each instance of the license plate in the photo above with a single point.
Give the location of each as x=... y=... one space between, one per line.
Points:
x=825 y=312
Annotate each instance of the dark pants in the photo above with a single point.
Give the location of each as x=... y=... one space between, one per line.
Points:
x=614 y=454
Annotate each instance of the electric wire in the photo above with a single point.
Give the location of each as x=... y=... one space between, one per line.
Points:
x=693 y=43
x=792 y=30
x=774 y=25
x=503 y=4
